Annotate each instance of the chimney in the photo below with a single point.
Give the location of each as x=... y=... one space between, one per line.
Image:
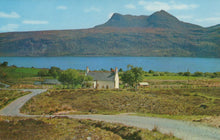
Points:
x=116 y=70
x=87 y=70
x=116 y=78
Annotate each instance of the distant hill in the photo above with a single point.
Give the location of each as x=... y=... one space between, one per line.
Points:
x=159 y=34
x=160 y=19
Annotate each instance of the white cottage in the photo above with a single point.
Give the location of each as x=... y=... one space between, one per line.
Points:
x=104 y=80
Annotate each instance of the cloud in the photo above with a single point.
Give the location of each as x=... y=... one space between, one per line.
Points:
x=172 y=5
x=9 y=27
x=10 y=15
x=34 y=22
x=211 y=19
x=130 y=6
x=183 y=6
x=185 y=17
x=92 y=9
x=61 y=7
x=110 y=15
x=154 y=6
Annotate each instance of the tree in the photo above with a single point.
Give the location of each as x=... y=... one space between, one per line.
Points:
x=4 y=64
x=133 y=76
x=216 y=74
x=71 y=77
x=120 y=70
x=186 y=74
x=87 y=81
x=150 y=71
x=112 y=70
x=180 y=73
x=198 y=74
x=43 y=72
x=3 y=74
x=55 y=71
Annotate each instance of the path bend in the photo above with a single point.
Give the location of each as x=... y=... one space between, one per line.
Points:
x=13 y=109
x=180 y=129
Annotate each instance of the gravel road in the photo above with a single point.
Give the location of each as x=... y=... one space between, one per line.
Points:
x=181 y=129
x=13 y=109
x=6 y=86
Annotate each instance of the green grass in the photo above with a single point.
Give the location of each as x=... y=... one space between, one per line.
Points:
x=19 y=77
x=7 y=96
x=27 y=76
x=173 y=78
x=15 y=72
x=16 y=75
x=64 y=128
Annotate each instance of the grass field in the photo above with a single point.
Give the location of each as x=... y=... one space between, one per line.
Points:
x=167 y=101
x=7 y=96
x=18 y=75
x=19 y=72
x=64 y=128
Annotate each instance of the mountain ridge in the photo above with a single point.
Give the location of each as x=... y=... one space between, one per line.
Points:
x=159 y=19
x=160 y=34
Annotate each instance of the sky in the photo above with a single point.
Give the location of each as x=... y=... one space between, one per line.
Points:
x=35 y=15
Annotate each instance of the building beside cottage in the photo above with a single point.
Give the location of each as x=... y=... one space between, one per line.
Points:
x=48 y=82
x=104 y=80
x=143 y=84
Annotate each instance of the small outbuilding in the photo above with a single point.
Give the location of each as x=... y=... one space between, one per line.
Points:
x=48 y=82
x=143 y=84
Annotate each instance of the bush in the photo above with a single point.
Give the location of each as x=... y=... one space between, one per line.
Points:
x=3 y=74
x=73 y=77
x=156 y=74
x=162 y=74
x=216 y=74
x=208 y=74
x=198 y=74
x=151 y=71
x=186 y=74
x=55 y=72
x=180 y=73
x=120 y=70
x=4 y=64
x=43 y=73
x=155 y=129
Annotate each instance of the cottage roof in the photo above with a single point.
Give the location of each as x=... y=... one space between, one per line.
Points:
x=102 y=76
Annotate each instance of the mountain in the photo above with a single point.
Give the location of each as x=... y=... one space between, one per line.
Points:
x=159 y=34
x=160 y=19
x=124 y=21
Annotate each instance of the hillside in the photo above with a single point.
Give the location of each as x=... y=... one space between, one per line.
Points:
x=159 y=34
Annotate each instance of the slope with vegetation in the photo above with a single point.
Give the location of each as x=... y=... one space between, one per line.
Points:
x=159 y=34
x=12 y=75
x=156 y=101
x=7 y=96
x=64 y=128
x=20 y=77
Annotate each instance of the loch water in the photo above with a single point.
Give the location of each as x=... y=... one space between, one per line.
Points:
x=165 y=64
